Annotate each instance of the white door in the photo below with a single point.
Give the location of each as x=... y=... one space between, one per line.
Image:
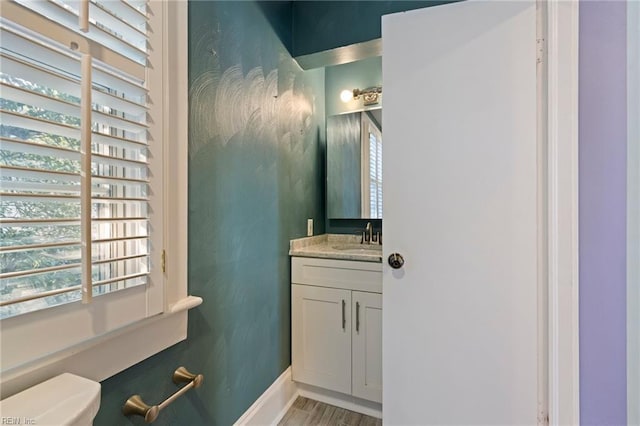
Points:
x=321 y=337
x=366 y=356
x=460 y=188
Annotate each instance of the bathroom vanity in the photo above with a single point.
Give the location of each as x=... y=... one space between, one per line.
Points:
x=336 y=315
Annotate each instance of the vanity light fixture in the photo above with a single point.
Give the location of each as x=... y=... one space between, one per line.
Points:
x=370 y=96
x=346 y=96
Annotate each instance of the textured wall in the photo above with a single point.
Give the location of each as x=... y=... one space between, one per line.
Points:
x=344 y=158
x=256 y=174
x=602 y=221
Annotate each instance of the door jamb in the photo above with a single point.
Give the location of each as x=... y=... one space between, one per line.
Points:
x=633 y=207
x=562 y=218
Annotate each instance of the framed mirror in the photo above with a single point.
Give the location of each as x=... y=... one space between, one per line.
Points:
x=354 y=165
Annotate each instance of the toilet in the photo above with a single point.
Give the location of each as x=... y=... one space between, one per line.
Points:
x=66 y=399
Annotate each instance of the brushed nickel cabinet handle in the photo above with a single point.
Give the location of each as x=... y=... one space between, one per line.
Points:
x=344 y=317
x=357 y=317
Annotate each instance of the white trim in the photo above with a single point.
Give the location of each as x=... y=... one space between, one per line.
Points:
x=633 y=213
x=156 y=74
x=176 y=156
x=85 y=176
x=341 y=400
x=141 y=340
x=562 y=202
x=273 y=404
x=542 y=290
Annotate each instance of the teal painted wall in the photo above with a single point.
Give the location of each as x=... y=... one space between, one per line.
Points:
x=256 y=173
x=323 y=25
x=359 y=74
x=344 y=162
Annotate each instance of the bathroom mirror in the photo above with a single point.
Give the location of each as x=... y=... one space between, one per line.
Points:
x=354 y=165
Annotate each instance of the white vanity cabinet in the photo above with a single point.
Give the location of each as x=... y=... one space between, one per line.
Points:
x=321 y=340
x=366 y=346
x=336 y=325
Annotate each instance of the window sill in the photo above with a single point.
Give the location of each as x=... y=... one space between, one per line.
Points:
x=102 y=357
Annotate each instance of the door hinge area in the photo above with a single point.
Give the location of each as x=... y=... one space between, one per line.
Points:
x=164 y=261
x=539 y=50
x=543 y=419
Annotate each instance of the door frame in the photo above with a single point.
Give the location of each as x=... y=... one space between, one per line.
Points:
x=560 y=22
x=633 y=206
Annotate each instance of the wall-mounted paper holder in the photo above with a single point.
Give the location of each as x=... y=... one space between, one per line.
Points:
x=136 y=406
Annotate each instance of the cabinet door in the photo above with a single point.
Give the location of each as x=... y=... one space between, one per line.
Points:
x=367 y=345
x=321 y=337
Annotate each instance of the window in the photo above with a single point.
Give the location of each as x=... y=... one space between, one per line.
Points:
x=371 y=168
x=83 y=193
x=42 y=237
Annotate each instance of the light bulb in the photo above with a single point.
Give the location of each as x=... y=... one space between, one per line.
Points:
x=346 y=95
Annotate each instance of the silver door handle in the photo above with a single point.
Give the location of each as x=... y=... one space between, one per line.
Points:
x=344 y=317
x=396 y=260
x=357 y=317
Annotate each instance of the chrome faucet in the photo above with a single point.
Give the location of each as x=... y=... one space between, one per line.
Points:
x=368 y=237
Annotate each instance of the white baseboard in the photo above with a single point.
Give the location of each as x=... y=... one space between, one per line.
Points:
x=274 y=403
x=341 y=400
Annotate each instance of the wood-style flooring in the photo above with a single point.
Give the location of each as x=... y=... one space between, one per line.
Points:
x=307 y=412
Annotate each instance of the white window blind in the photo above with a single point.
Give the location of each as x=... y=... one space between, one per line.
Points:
x=375 y=174
x=74 y=215
x=371 y=169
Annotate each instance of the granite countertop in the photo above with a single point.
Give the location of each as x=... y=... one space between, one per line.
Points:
x=336 y=246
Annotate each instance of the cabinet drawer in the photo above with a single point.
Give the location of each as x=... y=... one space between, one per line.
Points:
x=345 y=274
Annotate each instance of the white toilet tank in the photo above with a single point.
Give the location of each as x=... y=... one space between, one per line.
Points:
x=66 y=399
